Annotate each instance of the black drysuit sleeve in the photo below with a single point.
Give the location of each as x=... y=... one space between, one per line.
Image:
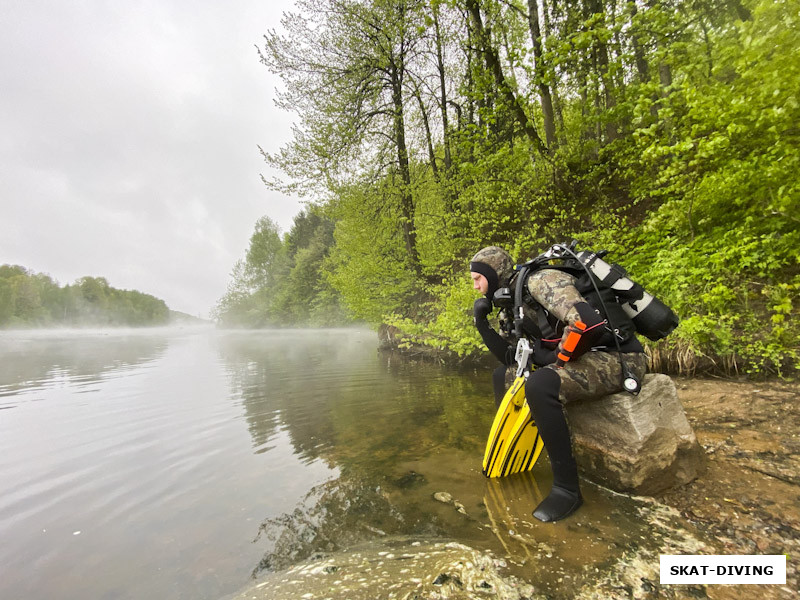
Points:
x=501 y=349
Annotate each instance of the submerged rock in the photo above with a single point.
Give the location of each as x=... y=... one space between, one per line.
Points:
x=641 y=444
x=399 y=568
x=443 y=497
x=409 y=480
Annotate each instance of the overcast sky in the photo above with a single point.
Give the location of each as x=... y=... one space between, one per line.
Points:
x=128 y=141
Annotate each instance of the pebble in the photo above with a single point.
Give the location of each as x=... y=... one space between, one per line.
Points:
x=443 y=497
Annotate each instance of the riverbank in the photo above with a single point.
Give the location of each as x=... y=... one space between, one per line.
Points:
x=747 y=501
x=749 y=497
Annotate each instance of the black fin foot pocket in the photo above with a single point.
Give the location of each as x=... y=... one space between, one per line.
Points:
x=559 y=504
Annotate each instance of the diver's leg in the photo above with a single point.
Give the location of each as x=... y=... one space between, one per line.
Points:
x=499 y=384
x=541 y=392
x=597 y=374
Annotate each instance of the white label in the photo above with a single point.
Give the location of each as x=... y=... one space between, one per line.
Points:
x=730 y=569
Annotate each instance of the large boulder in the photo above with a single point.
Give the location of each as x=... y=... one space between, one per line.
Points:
x=641 y=444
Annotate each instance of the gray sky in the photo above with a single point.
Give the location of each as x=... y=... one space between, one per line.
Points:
x=128 y=141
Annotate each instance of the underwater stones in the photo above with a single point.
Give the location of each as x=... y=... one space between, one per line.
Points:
x=443 y=578
x=641 y=444
x=409 y=480
x=446 y=498
x=395 y=569
x=443 y=497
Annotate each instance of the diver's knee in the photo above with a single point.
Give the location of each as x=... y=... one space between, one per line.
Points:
x=542 y=382
x=541 y=391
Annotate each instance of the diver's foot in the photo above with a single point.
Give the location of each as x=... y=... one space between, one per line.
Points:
x=559 y=504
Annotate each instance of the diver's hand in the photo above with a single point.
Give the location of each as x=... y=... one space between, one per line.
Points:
x=481 y=308
x=541 y=355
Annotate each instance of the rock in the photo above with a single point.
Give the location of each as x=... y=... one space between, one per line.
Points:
x=443 y=497
x=390 y=568
x=409 y=480
x=388 y=337
x=641 y=444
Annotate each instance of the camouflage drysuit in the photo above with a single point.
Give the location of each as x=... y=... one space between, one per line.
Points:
x=597 y=373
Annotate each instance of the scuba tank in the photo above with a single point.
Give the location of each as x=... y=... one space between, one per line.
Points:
x=652 y=318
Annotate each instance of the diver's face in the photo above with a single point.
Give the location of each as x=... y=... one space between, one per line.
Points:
x=479 y=282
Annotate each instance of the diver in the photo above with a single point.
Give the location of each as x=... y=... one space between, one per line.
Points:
x=593 y=363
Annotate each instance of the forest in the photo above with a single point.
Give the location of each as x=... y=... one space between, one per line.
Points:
x=29 y=299
x=664 y=131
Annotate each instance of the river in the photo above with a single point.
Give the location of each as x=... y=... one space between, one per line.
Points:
x=184 y=463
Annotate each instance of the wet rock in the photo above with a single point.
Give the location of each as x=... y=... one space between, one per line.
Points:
x=409 y=480
x=388 y=337
x=443 y=497
x=642 y=444
x=464 y=573
x=374 y=530
x=444 y=578
x=647 y=585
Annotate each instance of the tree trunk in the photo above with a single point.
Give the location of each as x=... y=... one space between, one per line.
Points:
x=406 y=201
x=601 y=53
x=426 y=125
x=504 y=89
x=442 y=91
x=540 y=71
x=641 y=62
x=665 y=76
x=559 y=113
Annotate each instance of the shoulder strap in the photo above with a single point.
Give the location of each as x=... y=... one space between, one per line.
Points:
x=546 y=330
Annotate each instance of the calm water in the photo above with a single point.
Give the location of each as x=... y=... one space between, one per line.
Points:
x=180 y=464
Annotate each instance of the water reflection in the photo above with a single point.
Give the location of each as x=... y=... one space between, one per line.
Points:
x=343 y=402
x=613 y=545
x=31 y=361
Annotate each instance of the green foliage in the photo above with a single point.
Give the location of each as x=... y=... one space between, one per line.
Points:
x=282 y=281
x=450 y=323
x=369 y=265
x=724 y=175
x=29 y=299
x=674 y=144
x=265 y=256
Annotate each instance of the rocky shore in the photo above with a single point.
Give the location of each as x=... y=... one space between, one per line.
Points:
x=749 y=497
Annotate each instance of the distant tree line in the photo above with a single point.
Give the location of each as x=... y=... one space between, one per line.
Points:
x=280 y=281
x=29 y=299
x=665 y=131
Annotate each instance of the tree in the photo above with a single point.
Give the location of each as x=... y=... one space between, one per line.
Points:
x=504 y=87
x=34 y=299
x=265 y=258
x=344 y=65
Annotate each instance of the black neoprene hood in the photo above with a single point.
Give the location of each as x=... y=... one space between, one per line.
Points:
x=489 y=273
